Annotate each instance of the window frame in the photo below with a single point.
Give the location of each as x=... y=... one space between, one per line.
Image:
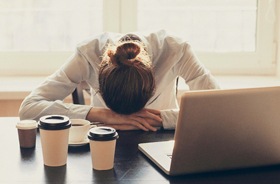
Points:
x=260 y=62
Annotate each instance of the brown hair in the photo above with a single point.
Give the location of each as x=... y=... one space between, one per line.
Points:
x=126 y=80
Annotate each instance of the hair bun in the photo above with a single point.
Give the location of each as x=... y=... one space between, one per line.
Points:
x=126 y=53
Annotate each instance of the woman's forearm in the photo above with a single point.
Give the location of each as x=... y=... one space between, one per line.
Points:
x=144 y=119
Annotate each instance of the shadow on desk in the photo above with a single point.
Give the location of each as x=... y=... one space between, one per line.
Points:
x=267 y=174
x=55 y=174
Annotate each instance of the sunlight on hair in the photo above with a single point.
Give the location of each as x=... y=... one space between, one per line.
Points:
x=142 y=57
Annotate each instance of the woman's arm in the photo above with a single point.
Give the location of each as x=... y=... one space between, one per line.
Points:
x=146 y=119
x=196 y=76
x=48 y=97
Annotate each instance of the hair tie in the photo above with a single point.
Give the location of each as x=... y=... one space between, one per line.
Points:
x=131 y=60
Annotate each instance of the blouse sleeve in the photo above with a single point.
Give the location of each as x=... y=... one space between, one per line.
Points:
x=196 y=76
x=169 y=118
x=48 y=97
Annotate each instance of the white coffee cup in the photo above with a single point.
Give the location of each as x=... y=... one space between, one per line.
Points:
x=102 y=147
x=54 y=132
x=79 y=130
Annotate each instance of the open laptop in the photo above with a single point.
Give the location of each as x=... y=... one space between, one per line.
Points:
x=221 y=130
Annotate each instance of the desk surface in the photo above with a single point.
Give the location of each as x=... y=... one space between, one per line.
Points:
x=131 y=166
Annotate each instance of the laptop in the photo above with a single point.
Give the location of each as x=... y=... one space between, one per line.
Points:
x=221 y=130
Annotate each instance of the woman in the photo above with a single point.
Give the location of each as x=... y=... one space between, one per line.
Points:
x=132 y=81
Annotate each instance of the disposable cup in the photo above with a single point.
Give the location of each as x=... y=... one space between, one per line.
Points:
x=102 y=147
x=27 y=130
x=54 y=132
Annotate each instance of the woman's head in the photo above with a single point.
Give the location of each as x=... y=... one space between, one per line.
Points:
x=126 y=80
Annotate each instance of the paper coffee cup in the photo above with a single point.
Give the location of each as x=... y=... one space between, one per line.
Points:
x=54 y=132
x=79 y=130
x=102 y=147
x=27 y=130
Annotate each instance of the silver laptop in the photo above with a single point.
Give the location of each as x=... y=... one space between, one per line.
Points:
x=221 y=130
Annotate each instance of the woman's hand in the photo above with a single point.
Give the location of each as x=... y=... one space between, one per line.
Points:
x=146 y=119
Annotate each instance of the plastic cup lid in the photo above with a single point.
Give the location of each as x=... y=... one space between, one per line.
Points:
x=26 y=124
x=102 y=133
x=54 y=122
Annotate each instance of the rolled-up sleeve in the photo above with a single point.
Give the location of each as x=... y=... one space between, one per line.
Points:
x=169 y=118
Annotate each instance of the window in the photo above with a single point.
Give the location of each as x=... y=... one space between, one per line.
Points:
x=210 y=26
x=32 y=25
x=37 y=36
x=229 y=36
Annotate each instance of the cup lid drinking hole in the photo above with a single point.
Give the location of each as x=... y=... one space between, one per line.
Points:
x=54 y=122
x=102 y=133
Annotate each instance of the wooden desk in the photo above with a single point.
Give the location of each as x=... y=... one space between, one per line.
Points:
x=131 y=166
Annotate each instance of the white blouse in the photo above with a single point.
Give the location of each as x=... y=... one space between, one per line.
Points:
x=170 y=56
